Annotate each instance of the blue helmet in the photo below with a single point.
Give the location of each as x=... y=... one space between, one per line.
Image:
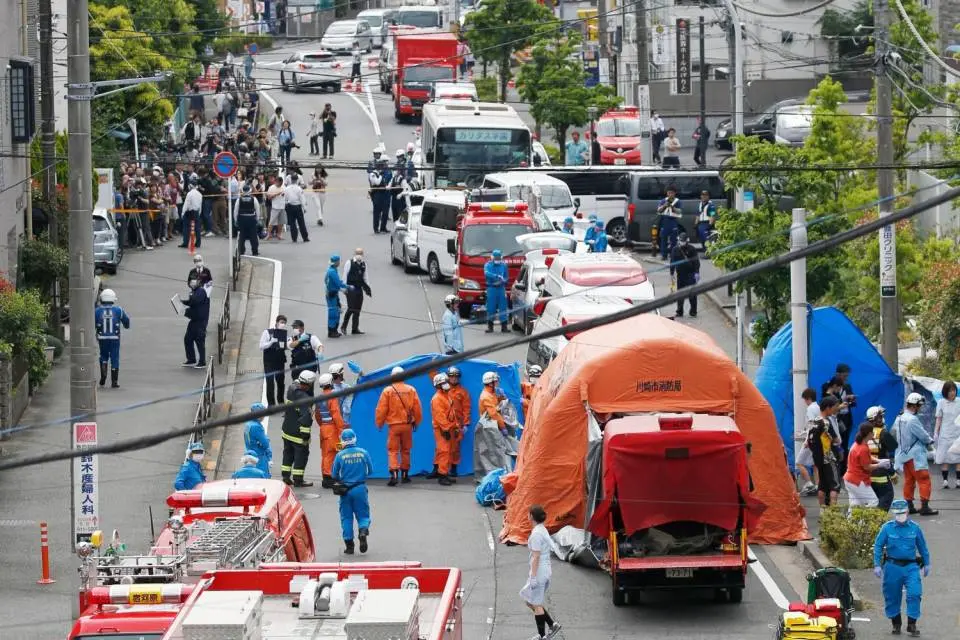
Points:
x=195 y=447
x=497 y=253
x=348 y=437
x=899 y=507
x=592 y=217
x=257 y=406
x=568 y=220
x=598 y=223
x=334 y=258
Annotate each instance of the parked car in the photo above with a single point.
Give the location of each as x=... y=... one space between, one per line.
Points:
x=317 y=69
x=107 y=252
x=340 y=36
x=440 y=213
x=646 y=188
x=756 y=125
x=404 y=249
x=564 y=311
x=379 y=21
x=793 y=125
x=611 y=274
x=526 y=288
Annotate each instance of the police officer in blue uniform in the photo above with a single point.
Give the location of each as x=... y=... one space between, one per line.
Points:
x=109 y=317
x=191 y=473
x=495 y=277
x=248 y=216
x=198 y=313
x=250 y=468
x=334 y=285
x=255 y=441
x=900 y=554
x=351 y=468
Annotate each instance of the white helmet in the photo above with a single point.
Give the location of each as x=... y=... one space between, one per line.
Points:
x=440 y=379
x=534 y=371
x=307 y=377
x=915 y=398
x=379 y=149
x=490 y=377
x=396 y=370
x=873 y=412
x=401 y=153
x=411 y=147
x=336 y=369
x=325 y=380
x=450 y=300
x=108 y=296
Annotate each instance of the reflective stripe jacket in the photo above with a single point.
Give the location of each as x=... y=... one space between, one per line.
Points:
x=297 y=420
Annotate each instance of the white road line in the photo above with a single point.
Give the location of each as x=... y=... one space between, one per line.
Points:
x=269 y=98
x=274 y=311
x=768 y=582
x=370 y=113
x=373 y=112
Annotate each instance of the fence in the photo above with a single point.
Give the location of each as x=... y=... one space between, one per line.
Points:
x=223 y=325
x=208 y=398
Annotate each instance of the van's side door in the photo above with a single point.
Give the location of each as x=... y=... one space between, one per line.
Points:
x=447 y=224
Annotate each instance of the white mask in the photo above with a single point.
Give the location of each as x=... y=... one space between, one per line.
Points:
x=198 y=264
x=900 y=517
x=281 y=325
x=196 y=457
x=296 y=332
x=445 y=386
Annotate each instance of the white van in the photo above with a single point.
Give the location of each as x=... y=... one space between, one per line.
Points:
x=438 y=223
x=564 y=311
x=553 y=195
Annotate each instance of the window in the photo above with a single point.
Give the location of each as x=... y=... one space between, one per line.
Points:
x=100 y=224
x=427 y=74
x=446 y=218
x=429 y=214
x=22 y=117
x=592 y=183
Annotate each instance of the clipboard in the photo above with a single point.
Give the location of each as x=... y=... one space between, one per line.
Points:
x=173 y=303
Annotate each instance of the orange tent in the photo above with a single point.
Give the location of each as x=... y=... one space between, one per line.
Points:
x=642 y=364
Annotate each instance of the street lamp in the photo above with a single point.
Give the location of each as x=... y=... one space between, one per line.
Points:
x=132 y=123
x=592 y=114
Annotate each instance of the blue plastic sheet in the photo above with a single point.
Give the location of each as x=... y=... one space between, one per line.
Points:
x=421 y=455
x=490 y=491
x=833 y=338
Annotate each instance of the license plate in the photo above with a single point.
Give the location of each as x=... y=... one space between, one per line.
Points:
x=679 y=573
x=619 y=161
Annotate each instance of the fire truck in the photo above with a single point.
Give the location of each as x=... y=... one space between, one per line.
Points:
x=337 y=602
x=224 y=524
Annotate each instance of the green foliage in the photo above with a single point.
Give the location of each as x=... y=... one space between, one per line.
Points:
x=208 y=22
x=486 y=89
x=60 y=151
x=554 y=153
x=42 y=264
x=848 y=541
x=851 y=47
x=501 y=28
x=939 y=318
x=23 y=321
x=236 y=43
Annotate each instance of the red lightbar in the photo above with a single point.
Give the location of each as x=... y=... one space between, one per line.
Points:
x=676 y=423
x=497 y=207
x=217 y=497
x=550 y=252
x=140 y=594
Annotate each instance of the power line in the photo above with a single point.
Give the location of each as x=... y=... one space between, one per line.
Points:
x=781 y=14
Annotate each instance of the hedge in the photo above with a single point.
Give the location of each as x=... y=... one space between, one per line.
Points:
x=848 y=541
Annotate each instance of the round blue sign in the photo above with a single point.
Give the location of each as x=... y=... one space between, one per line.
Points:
x=253 y=48
x=225 y=164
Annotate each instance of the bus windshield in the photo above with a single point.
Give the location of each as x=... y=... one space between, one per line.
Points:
x=419 y=18
x=482 y=239
x=462 y=152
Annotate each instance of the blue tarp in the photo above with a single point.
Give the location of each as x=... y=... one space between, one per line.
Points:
x=833 y=338
x=375 y=441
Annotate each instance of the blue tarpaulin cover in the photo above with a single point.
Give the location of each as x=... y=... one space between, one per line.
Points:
x=421 y=455
x=833 y=338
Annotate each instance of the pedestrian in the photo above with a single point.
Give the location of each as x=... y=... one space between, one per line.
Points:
x=297 y=423
x=488 y=405
x=275 y=121
x=255 y=441
x=318 y=188
x=192 y=207
x=351 y=468
x=337 y=370
x=844 y=393
x=285 y=140
x=656 y=135
x=294 y=200
x=273 y=344
x=201 y=273
x=576 y=151
x=328 y=118
x=250 y=467
x=173 y=197
x=495 y=277
x=701 y=139
x=895 y=559
x=191 y=472
x=355 y=57
x=883 y=446
x=109 y=318
x=706 y=218
x=156 y=212
x=248 y=64
x=334 y=285
x=306 y=350
x=527 y=386
x=248 y=220
x=671 y=150
x=860 y=468
x=399 y=409
x=803 y=458
x=462 y=56
x=198 y=314
x=197 y=106
x=911 y=457
x=946 y=432
x=209 y=188
x=824 y=444
x=141 y=196
x=313 y=134
x=446 y=427
x=598 y=239
x=278 y=208
x=381 y=179
x=669 y=210
x=330 y=420
x=355 y=275
x=534 y=592
x=685 y=263
x=450 y=327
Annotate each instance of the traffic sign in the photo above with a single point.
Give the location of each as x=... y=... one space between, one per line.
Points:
x=225 y=164
x=253 y=48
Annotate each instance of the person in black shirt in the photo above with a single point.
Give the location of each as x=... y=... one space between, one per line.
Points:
x=273 y=343
x=356 y=276
x=685 y=262
x=198 y=313
x=328 y=119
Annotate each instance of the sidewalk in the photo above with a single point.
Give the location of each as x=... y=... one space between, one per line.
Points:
x=130 y=484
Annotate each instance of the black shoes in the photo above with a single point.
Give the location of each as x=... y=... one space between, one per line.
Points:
x=405 y=477
x=349 y=547
x=394 y=480
x=489 y=328
x=433 y=475
x=103 y=374
x=115 y=378
x=445 y=481
x=504 y=328
x=287 y=481
x=363 y=540
x=303 y=483
x=925 y=510
x=327 y=482
x=334 y=334
x=913 y=509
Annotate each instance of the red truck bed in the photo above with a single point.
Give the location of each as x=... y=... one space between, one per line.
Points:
x=713 y=561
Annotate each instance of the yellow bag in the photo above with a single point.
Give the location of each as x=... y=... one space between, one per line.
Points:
x=796 y=625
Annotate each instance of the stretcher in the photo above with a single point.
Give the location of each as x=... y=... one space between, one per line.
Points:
x=797 y=625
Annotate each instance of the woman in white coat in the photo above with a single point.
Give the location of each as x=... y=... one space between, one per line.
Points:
x=946 y=433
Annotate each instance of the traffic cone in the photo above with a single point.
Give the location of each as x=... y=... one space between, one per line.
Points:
x=349 y=85
x=192 y=245
x=358 y=88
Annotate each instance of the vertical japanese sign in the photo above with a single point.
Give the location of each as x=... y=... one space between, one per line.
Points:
x=888 y=262
x=86 y=490
x=661 y=49
x=684 y=69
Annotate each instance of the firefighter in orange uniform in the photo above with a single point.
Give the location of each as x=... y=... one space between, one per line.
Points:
x=534 y=372
x=446 y=426
x=399 y=408
x=461 y=398
x=489 y=403
x=328 y=415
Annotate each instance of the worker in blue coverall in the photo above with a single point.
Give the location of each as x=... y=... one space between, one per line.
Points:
x=598 y=241
x=567 y=225
x=895 y=559
x=255 y=439
x=351 y=468
x=249 y=467
x=191 y=473
x=338 y=371
x=108 y=319
x=495 y=277
x=591 y=229
x=334 y=286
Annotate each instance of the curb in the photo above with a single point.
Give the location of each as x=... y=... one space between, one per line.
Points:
x=811 y=551
x=730 y=315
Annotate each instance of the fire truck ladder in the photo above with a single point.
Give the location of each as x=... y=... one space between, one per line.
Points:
x=231 y=543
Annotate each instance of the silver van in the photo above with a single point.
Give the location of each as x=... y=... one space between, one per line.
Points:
x=379 y=21
x=644 y=190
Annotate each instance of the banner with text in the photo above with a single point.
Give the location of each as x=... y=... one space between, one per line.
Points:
x=86 y=477
x=684 y=70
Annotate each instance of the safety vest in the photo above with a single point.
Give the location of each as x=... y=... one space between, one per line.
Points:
x=880 y=475
x=274 y=356
x=324 y=409
x=245 y=206
x=303 y=354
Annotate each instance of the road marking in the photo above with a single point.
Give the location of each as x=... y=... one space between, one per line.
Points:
x=433 y=323
x=370 y=112
x=274 y=310
x=373 y=111
x=768 y=582
x=17 y=523
x=270 y=100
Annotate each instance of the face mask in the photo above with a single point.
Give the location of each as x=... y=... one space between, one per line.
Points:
x=281 y=325
x=900 y=518
x=196 y=457
x=445 y=386
x=198 y=264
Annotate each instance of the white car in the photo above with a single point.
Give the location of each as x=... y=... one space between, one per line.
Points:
x=610 y=274
x=564 y=311
x=379 y=21
x=311 y=69
x=107 y=252
x=454 y=91
x=404 y=249
x=340 y=36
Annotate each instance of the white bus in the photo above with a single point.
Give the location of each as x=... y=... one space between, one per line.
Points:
x=462 y=142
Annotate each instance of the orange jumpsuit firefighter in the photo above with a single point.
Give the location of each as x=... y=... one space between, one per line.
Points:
x=489 y=401
x=399 y=408
x=328 y=415
x=446 y=424
x=461 y=397
x=526 y=388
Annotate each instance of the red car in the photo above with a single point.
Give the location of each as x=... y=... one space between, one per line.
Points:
x=618 y=134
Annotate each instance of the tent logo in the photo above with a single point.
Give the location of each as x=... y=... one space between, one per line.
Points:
x=659 y=386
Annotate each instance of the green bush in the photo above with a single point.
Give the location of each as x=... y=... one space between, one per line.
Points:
x=486 y=89
x=42 y=264
x=235 y=43
x=553 y=152
x=57 y=344
x=848 y=541
x=23 y=322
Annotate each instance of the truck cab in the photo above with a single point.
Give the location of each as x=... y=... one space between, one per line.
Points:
x=422 y=60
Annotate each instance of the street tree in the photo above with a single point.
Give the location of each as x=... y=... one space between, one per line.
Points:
x=849 y=34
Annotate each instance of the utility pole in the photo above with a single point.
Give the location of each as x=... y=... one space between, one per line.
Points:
x=603 y=38
x=703 y=72
x=798 y=317
x=889 y=301
x=48 y=141
x=643 y=79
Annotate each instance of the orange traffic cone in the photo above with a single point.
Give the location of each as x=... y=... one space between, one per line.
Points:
x=192 y=245
x=349 y=85
x=358 y=88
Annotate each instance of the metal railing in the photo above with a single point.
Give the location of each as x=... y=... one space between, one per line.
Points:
x=223 y=325
x=236 y=264
x=208 y=398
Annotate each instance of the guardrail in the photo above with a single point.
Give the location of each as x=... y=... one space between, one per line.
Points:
x=208 y=398
x=223 y=325
x=236 y=264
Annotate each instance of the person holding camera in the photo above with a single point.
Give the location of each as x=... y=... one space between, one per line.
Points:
x=141 y=202
x=328 y=131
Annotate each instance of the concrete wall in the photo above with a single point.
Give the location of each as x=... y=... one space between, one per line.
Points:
x=943 y=220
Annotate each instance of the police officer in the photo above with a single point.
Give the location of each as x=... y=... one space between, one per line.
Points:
x=495 y=277
x=685 y=263
x=248 y=215
x=191 y=473
x=305 y=350
x=330 y=419
x=255 y=441
x=198 y=313
x=297 y=421
x=895 y=559
x=294 y=199
x=334 y=285
x=250 y=467
x=338 y=371
x=201 y=273
x=396 y=192
x=109 y=317
x=380 y=193
x=351 y=468
x=273 y=345
x=669 y=211
x=355 y=274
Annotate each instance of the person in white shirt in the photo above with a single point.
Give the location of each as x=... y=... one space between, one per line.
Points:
x=313 y=134
x=671 y=150
x=355 y=58
x=233 y=193
x=278 y=213
x=273 y=344
x=192 y=205
x=656 y=135
x=802 y=454
x=294 y=205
